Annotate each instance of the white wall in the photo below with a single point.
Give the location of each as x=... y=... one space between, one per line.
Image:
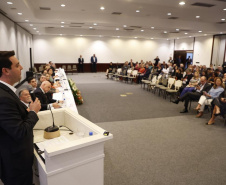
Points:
x=203 y=50
x=12 y=37
x=184 y=44
x=66 y=49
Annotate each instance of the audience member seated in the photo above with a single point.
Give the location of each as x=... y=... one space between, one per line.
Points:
x=195 y=95
x=52 y=66
x=41 y=79
x=207 y=98
x=32 y=84
x=211 y=78
x=125 y=67
x=45 y=101
x=178 y=74
x=50 y=72
x=192 y=83
x=142 y=69
x=219 y=105
x=25 y=97
x=144 y=75
x=109 y=70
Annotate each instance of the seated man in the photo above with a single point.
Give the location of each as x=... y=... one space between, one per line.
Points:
x=45 y=100
x=32 y=84
x=41 y=79
x=25 y=97
x=194 y=96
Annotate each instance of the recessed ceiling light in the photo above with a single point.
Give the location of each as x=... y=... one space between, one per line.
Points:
x=224 y=9
x=205 y=34
x=34 y=28
x=197 y=17
x=26 y=20
x=124 y=26
x=167 y=39
x=62 y=22
x=94 y=24
x=118 y=36
x=138 y=11
x=90 y=27
x=169 y=14
x=223 y=19
x=37 y=31
x=100 y=36
x=152 y=27
x=200 y=31
x=19 y=13
x=135 y=37
x=182 y=3
x=61 y=34
x=189 y=36
x=63 y=5
x=81 y=35
x=102 y=8
x=221 y=32
x=177 y=29
x=62 y=26
x=9 y=3
x=117 y=29
x=31 y=24
x=165 y=32
x=152 y=38
x=185 y=33
x=178 y=38
x=142 y=30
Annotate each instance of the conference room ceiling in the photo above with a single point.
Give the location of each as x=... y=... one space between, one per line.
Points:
x=156 y=19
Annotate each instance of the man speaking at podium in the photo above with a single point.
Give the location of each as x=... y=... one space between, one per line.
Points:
x=16 y=125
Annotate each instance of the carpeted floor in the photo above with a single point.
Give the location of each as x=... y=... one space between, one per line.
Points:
x=153 y=143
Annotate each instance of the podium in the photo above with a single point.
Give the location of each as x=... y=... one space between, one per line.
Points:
x=79 y=160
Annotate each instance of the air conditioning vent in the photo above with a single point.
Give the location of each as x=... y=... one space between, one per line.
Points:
x=77 y=23
x=1 y=11
x=128 y=29
x=45 y=8
x=73 y=26
x=13 y=8
x=203 y=5
x=116 y=13
x=174 y=32
x=173 y=17
x=135 y=26
x=222 y=0
x=221 y=22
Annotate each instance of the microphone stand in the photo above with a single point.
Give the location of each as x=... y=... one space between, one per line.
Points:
x=51 y=131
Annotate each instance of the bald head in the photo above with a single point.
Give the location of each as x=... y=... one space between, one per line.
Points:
x=203 y=80
x=46 y=86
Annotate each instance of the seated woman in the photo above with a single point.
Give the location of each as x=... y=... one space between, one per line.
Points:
x=142 y=69
x=50 y=72
x=207 y=98
x=211 y=78
x=219 y=105
x=178 y=74
x=109 y=70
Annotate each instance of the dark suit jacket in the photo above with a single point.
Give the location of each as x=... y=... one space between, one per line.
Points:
x=80 y=60
x=206 y=88
x=43 y=98
x=93 y=60
x=16 y=135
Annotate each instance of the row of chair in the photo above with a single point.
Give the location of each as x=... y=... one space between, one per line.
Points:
x=155 y=83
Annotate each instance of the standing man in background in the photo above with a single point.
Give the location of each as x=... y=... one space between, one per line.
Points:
x=16 y=125
x=156 y=61
x=93 y=63
x=80 y=64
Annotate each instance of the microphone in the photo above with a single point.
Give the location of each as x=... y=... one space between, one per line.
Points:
x=51 y=131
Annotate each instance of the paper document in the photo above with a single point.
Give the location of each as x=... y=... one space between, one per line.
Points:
x=51 y=142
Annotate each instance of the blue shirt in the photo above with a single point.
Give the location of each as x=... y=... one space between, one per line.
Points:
x=214 y=93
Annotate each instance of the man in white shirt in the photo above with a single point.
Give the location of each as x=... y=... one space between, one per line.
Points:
x=25 y=97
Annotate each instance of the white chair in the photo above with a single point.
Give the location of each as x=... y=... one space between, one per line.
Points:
x=177 y=86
